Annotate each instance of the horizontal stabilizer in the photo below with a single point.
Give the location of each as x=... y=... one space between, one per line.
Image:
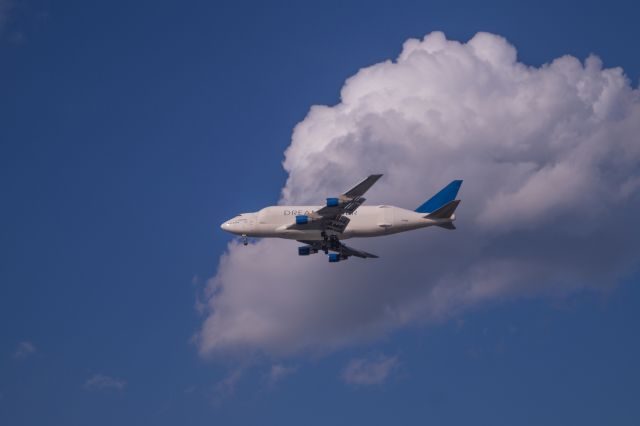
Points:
x=448 y=225
x=444 y=212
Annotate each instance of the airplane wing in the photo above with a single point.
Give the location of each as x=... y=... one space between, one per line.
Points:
x=332 y=215
x=344 y=250
x=348 y=251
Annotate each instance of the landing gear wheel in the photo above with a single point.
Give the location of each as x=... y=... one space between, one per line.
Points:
x=325 y=245
x=245 y=240
x=334 y=243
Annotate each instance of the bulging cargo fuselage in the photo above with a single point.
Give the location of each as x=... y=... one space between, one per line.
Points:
x=321 y=228
x=366 y=221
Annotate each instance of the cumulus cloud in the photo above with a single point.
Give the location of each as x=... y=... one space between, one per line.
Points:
x=24 y=350
x=367 y=372
x=550 y=159
x=100 y=382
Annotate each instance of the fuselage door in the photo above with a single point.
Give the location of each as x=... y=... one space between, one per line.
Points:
x=385 y=217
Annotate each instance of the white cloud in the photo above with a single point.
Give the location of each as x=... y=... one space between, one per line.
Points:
x=99 y=382
x=24 y=349
x=550 y=157
x=279 y=372
x=366 y=372
x=226 y=387
x=6 y=7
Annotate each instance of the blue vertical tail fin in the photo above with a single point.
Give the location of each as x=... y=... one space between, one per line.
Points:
x=446 y=195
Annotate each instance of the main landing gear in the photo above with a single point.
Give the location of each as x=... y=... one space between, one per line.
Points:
x=325 y=242
x=330 y=242
x=245 y=240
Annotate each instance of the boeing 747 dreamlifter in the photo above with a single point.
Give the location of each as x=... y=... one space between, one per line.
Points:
x=322 y=227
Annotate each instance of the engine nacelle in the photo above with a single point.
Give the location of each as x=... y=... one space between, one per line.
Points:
x=304 y=251
x=302 y=219
x=334 y=257
x=333 y=202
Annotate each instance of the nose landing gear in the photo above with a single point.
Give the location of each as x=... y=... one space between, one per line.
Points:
x=245 y=240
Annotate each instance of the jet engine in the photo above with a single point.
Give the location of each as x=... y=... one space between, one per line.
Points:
x=304 y=251
x=333 y=202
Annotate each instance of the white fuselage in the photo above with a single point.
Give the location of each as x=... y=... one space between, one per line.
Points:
x=366 y=221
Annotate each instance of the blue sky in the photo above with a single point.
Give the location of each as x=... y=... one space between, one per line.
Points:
x=131 y=131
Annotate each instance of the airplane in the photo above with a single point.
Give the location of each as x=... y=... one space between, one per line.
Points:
x=321 y=228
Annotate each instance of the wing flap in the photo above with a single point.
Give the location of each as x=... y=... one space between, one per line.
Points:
x=338 y=224
x=354 y=204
